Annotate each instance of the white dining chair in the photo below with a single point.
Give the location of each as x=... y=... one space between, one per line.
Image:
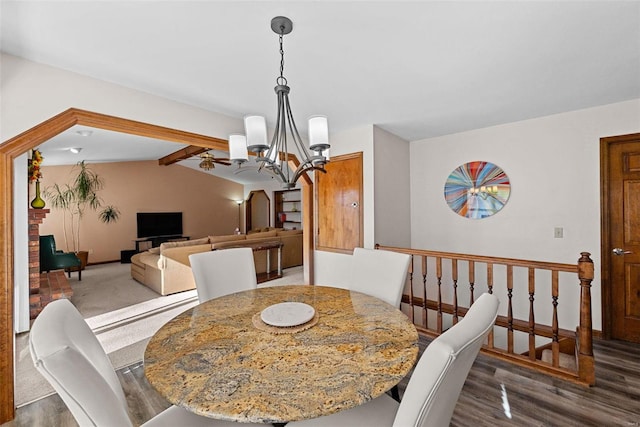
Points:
x=67 y=353
x=379 y=273
x=436 y=382
x=223 y=272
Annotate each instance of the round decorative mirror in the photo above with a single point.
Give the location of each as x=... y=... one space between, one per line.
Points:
x=477 y=189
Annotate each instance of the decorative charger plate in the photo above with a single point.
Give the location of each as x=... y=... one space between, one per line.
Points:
x=287 y=314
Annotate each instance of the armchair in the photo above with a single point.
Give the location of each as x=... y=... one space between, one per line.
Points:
x=52 y=259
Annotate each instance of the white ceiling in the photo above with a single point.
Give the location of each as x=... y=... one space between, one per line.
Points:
x=106 y=146
x=417 y=69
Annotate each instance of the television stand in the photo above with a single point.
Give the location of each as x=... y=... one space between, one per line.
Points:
x=155 y=241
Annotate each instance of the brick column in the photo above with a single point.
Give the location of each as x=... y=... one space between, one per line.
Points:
x=36 y=216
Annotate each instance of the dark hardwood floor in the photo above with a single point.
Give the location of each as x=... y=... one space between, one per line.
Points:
x=495 y=394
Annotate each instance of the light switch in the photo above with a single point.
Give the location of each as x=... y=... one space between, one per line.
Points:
x=558 y=232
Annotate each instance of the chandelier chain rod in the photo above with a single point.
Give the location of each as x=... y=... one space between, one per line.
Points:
x=281 y=38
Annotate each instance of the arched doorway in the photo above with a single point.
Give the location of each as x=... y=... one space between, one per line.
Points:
x=34 y=137
x=258 y=209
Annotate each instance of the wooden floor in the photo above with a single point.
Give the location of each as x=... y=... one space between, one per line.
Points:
x=495 y=394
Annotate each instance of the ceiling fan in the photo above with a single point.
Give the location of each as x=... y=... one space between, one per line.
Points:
x=208 y=161
x=193 y=152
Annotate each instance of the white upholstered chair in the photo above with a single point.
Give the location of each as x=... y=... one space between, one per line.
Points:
x=67 y=353
x=379 y=273
x=436 y=382
x=223 y=272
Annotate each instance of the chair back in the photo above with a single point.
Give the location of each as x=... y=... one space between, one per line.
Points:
x=222 y=272
x=47 y=251
x=379 y=273
x=51 y=259
x=439 y=375
x=67 y=353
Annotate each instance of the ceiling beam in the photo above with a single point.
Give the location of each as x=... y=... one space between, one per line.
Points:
x=181 y=154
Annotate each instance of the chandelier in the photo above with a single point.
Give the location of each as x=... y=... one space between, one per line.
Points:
x=275 y=157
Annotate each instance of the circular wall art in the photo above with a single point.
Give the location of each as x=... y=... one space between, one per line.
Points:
x=477 y=189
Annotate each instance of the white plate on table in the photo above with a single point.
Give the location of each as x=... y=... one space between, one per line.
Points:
x=287 y=314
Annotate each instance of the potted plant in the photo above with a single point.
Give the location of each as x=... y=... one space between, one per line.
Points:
x=75 y=199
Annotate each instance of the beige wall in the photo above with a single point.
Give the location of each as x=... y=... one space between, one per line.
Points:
x=207 y=202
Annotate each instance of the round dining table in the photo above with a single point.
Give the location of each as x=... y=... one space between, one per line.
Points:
x=220 y=360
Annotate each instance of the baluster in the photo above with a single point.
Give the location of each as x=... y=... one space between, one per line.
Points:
x=532 y=319
x=510 y=309
x=472 y=279
x=490 y=290
x=439 y=276
x=490 y=277
x=555 y=344
x=454 y=276
x=410 y=274
x=425 y=317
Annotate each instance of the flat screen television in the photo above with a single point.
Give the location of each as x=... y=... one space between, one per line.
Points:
x=154 y=224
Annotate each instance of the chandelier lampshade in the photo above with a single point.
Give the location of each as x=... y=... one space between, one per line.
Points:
x=275 y=156
x=238 y=148
x=318 y=133
x=256 y=129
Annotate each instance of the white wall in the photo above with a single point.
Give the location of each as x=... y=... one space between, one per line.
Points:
x=391 y=188
x=553 y=165
x=21 y=245
x=32 y=93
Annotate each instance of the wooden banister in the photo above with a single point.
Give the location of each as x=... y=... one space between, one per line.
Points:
x=586 y=362
x=446 y=288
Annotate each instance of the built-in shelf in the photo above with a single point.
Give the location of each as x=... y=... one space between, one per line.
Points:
x=287 y=209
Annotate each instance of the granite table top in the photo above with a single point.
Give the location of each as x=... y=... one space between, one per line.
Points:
x=213 y=361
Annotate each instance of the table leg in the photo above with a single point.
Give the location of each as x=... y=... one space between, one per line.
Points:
x=280 y=260
x=268 y=261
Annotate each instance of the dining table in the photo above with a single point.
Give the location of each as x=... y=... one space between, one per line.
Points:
x=226 y=359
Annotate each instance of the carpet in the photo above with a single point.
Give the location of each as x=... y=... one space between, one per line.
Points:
x=123 y=314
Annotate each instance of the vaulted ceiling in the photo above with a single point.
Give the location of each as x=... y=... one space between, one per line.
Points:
x=418 y=69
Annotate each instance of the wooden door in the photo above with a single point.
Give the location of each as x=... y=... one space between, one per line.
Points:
x=620 y=158
x=339 y=204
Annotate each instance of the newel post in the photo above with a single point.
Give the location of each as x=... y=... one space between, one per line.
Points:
x=586 y=362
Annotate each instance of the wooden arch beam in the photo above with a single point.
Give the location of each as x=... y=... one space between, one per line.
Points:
x=33 y=138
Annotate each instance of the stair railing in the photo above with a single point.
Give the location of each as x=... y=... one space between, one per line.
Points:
x=519 y=338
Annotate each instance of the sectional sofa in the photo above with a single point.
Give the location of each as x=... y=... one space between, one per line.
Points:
x=166 y=269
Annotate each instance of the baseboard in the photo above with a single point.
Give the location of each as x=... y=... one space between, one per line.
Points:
x=103 y=262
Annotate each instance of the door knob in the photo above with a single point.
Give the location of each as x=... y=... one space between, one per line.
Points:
x=620 y=251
